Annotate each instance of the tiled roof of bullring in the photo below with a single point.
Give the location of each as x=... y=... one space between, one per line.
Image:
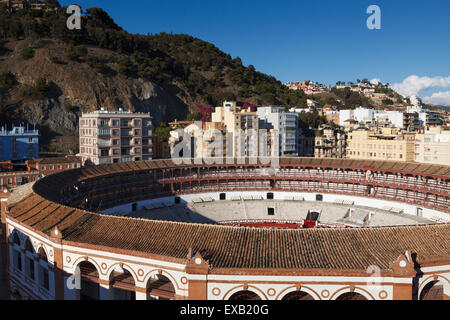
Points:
x=234 y=247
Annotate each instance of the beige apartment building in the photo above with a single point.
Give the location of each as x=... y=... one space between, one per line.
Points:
x=207 y=139
x=381 y=144
x=433 y=146
x=330 y=142
x=244 y=125
x=115 y=136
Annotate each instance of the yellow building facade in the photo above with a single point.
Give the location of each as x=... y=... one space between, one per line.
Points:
x=433 y=146
x=381 y=144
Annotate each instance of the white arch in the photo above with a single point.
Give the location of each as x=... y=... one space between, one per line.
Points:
x=344 y=290
x=167 y=275
x=90 y=260
x=302 y=289
x=125 y=267
x=18 y=233
x=445 y=282
x=250 y=288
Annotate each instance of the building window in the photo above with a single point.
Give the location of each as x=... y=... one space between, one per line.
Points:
x=30 y=267
x=19 y=260
x=45 y=280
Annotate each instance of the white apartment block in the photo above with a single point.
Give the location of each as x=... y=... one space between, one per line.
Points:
x=115 y=136
x=368 y=116
x=285 y=124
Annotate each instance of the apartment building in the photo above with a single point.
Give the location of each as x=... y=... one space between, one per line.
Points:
x=411 y=121
x=285 y=124
x=160 y=148
x=381 y=144
x=433 y=119
x=19 y=144
x=243 y=124
x=332 y=116
x=306 y=142
x=115 y=136
x=433 y=146
x=330 y=142
x=206 y=140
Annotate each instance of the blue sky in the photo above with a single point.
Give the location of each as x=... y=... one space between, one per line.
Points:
x=325 y=41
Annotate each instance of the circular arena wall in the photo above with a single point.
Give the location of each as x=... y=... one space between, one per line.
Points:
x=128 y=258
x=155 y=208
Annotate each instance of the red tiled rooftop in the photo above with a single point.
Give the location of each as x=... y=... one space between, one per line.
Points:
x=235 y=247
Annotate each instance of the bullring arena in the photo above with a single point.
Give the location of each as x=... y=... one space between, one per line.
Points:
x=322 y=229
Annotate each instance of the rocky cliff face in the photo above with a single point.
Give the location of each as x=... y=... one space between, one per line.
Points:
x=75 y=87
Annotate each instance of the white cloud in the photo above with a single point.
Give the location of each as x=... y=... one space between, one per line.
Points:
x=412 y=85
x=439 y=98
x=375 y=81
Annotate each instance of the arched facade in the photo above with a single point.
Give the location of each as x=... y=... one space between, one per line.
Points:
x=245 y=292
x=299 y=293
x=434 y=287
x=126 y=264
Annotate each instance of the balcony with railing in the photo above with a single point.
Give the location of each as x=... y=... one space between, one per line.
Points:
x=104 y=132
x=103 y=143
